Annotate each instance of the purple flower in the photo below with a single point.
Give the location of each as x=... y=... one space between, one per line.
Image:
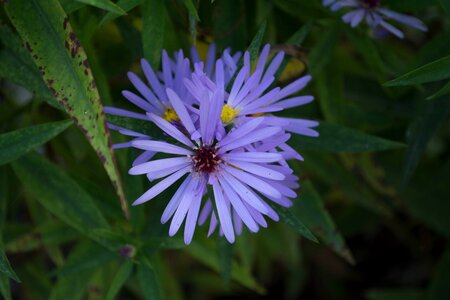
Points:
x=210 y=156
x=374 y=14
x=249 y=96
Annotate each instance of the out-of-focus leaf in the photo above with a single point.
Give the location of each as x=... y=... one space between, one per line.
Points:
x=90 y=258
x=191 y=8
x=5 y=267
x=330 y=88
x=337 y=138
x=322 y=52
x=153 y=13
x=209 y=258
x=311 y=210
x=439 y=287
x=62 y=196
x=148 y=280
x=434 y=71
x=73 y=286
x=287 y=217
x=47 y=234
x=5 y=289
x=119 y=279
x=125 y=5
x=141 y=126
x=395 y=294
x=226 y=260
x=445 y=5
x=420 y=132
x=442 y=92
x=71 y=6
x=105 y=5
x=18 y=142
x=17 y=66
x=66 y=71
x=229 y=17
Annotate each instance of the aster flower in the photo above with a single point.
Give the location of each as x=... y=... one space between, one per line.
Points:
x=374 y=14
x=225 y=162
x=249 y=97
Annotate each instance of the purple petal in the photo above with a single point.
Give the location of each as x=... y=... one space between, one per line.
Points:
x=158 y=165
x=181 y=111
x=224 y=213
x=175 y=201
x=240 y=131
x=170 y=129
x=258 y=157
x=258 y=170
x=161 y=147
x=161 y=186
x=256 y=136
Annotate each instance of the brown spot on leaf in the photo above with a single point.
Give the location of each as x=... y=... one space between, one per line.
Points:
x=65 y=22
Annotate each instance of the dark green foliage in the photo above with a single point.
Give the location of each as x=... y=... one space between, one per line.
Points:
x=372 y=215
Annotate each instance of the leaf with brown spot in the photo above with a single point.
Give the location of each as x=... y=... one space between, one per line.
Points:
x=44 y=26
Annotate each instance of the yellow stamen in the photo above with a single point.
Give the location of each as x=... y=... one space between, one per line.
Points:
x=170 y=115
x=228 y=114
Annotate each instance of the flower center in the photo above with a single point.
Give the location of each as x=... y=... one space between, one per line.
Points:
x=371 y=3
x=170 y=115
x=206 y=159
x=228 y=114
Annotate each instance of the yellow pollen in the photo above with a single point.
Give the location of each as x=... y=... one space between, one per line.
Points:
x=228 y=114
x=170 y=115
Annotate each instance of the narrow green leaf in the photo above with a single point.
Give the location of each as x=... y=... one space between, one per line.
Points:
x=439 y=287
x=148 y=280
x=442 y=92
x=256 y=42
x=229 y=17
x=434 y=71
x=311 y=210
x=300 y=35
x=153 y=28
x=125 y=5
x=66 y=71
x=337 y=138
x=141 y=126
x=288 y=217
x=429 y=119
x=322 y=52
x=191 y=8
x=253 y=50
x=5 y=267
x=105 y=5
x=62 y=196
x=5 y=289
x=17 y=66
x=119 y=280
x=226 y=260
x=18 y=142
x=211 y=259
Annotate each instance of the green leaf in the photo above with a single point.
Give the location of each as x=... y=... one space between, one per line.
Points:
x=442 y=92
x=148 y=280
x=62 y=196
x=310 y=209
x=18 y=142
x=429 y=119
x=5 y=267
x=17 y=66
x=210 y=258
x=141 y=126
x=191 y=8
x=105 y=5
x=226 y=260
x=337 y=138
x=434 y=71
x=73 y=286
x=300 y=35
x=153 y=28
x=228 y=17
x=119 y=280
x=288 y=217
x=439 y=287
x=5 y=289
x=66 y=71
x=445 y=5
x=322 y=52
x=125 y=5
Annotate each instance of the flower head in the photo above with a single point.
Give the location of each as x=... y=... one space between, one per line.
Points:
x=374 y=14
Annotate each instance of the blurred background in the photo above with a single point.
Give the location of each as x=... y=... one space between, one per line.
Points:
x=375 y=185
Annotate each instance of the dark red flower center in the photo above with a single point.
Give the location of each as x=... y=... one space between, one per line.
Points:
x=206 y=159
x=372 y=3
